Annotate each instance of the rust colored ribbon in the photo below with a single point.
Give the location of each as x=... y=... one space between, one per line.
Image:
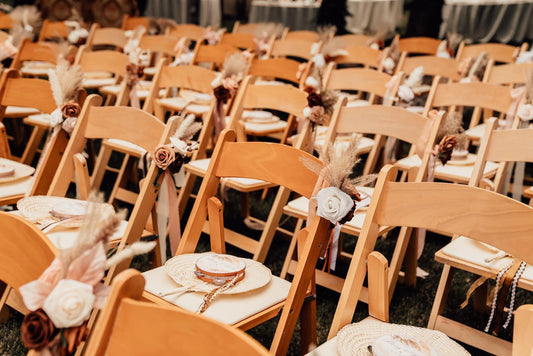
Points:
x=132 y=78
x=174 y=228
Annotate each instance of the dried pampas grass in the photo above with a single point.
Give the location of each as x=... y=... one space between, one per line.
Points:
x=267 y=29
x=452 y=125
x=27 y=16
x=325 y=33
x=234 y=65
x=65 y=81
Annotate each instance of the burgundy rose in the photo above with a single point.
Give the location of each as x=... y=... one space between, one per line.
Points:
x=446 y=146
x=70 y=109
x=37 y=330
x=222 y=94
x=314 y=99
x=75 y=336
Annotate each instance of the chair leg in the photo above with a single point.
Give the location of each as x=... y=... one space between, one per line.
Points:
x=292 y=248
x=441 y=295
x=308 y=326
x=120 y=178
x=32 y=146
x=185 y=191
x=398 y=256
x=410 y=260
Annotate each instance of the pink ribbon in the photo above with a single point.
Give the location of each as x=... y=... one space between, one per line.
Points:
x=174 y=227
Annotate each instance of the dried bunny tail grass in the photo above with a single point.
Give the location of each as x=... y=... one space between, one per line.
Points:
x=235 y=64
x=65 y=81
x=451 y=125
x=325 y=33
x=268 y=29
x=27 y=15
x=394 y=51
x=137 y=248
x=329 y=99
x=317 y=73
x=188 y=128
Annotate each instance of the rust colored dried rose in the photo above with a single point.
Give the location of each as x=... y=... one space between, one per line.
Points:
x=314 y=99
x=446 y=146
x=70 y=109
x=318 y=114
x=164 y=156
x=222 y=94
x=37 y=330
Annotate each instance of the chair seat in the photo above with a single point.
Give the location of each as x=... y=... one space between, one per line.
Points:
x=301 y=207
x=19 y=111
x=358 y=336
x=357 y=103
x=64 y=238
x=227 y=308
x=264 y=129
x=476 y=133
x=329 y=348
x=36 y=68
x=124 y=146
x=150 y=71
x=269 y=82
x=416 y=109
x=18 y=187
x=365 y=144
x=199 y=167
x=143 y=89
x=474 y=254
x=178 y=103
x=97 y=82
x=450 y=172
x=42 y=120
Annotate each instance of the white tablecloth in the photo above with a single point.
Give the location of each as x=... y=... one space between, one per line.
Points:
x=296 y=15
x=210 y=12
x=370 y=16
x=489 y=20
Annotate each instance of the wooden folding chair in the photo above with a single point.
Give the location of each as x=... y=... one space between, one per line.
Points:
x=21 y=240
x=278 y=164
x=122 y=327
x=435 y=206
x=282 y=98
x=501 y=53
x=381 y=121
x=161 y=46
x=106 y=37
x=132 y=22
x=53 y=30
x=464 y=253
x=306 y=36
x=239 y=40
x=446 y=68
x=120 y=123
x=523 y=327
x=190 y=31
x=509 y=75
x=213 y=55
x=293 y=48
x=6 y=22
x=278 y=68
x=35 y=58
x=419 y=45
x=17 y=91
x=103 y=68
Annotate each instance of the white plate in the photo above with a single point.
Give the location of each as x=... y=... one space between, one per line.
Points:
x=6 y=170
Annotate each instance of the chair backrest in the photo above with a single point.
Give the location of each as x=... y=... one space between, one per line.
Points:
x=445 y=67
x=53 y=30
x=503 y=146
x=278 y=68
x=214 y=54
x=102 y=61
x=507 y=74
x=183 y=77
x=21 y=241
x=360 y=79
x=306 y=36
x=354 y=40
x=163 y=44
x=251 y=28
x=292 y=48
x=35 y=51
x=190 y=31
x=107 y=36
x=449 y=208
x=34 y=93
x=121 y=328
x=362 y=55
x=523 y=327
x=419 y=45
x=6 y=22
x=500 y=52
x=132 y=22
x=239 y=40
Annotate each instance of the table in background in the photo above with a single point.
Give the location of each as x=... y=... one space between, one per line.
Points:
x=296 y=15
x=371 y=16
x=210 y=13
x=488 y=20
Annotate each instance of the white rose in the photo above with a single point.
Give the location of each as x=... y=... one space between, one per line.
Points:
x=415 y=78
x=388 y=64
x=145 y=57
x=56 y=117
x=525 y=112
x=312 y=82
x=314 y=48
x=333 y=204
x=307 y=111
x=319 y=60
x=405 y=93
x=70 y=303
